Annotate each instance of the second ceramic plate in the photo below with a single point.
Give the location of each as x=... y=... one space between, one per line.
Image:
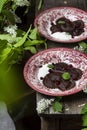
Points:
x=36 y=67
x=45 y=18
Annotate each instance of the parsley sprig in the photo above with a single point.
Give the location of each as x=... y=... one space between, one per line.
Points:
x=12 y=53
x=84 y=115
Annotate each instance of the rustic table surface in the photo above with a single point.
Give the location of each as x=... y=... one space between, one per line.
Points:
x=72 y=104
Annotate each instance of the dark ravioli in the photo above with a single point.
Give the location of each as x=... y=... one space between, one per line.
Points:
x=74 y=28
x=55 y=28
x=60 y=66
x=54 y=78
x=66 y=84
x=75 y=73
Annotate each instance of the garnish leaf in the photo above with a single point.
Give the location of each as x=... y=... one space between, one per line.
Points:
x=84 y=109
x=58 y=98
x=57 y=106
x=66 y=76
x=83 y=44
x=84 y=120
x=61 y=22
x=84 y=115
x=50 y=66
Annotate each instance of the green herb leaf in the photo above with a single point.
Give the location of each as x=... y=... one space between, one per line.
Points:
x=5 y=37
x=2 y=2
x=84 y=120
x=31 y=49
x=34 y=42
x=33 y=34
x=84 y=129
x=45 y=44
x=66 y=76
x=84 y=109
x=9 y=38
x=26 y=11
x=50 y=66
x=3 y=44
x=57 y=106
x=58 y=98
x=40 y=4
x=83 y=44
x=4 y=53
x=21 y=42
x=9 y=16
x=61 y=22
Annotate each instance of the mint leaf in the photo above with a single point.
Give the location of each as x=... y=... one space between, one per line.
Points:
x=66 y=76
x=84 y=115
x=9 y=38
x=2 y=2
x=58 y=98
x=33 y=42
x=61 y=22
x=21 y=42
x=33 y=34
x=50 y=66
x=9 y=16
x=84 y=109
x=3 y=44
x=4 y=53
x=83 y=44
x=31 y=49
x=84 y=120
x=40 y=4
x=84 y=129
x=57 y=106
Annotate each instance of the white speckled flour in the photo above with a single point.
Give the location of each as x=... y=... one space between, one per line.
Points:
x=42 y=72
x=61 y=35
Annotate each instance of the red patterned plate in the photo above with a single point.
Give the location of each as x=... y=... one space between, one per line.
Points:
x=36 y=67
x=45 y=18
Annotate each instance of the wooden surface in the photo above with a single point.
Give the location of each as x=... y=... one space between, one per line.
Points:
x=72 y=104
x=82 y=4
x=66 y=123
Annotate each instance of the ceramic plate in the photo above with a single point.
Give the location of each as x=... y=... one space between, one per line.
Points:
x=36 y=68
x=45 y=18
